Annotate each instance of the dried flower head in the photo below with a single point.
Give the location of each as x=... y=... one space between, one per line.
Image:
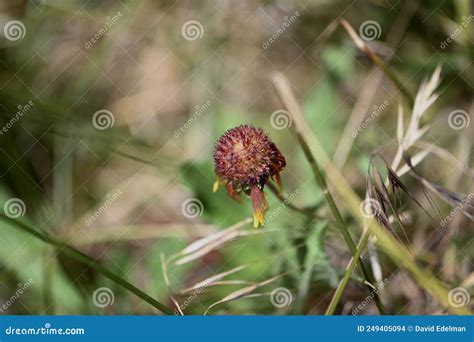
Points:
x=245 y=159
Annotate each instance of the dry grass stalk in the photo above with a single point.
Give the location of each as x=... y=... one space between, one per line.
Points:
x=213 y=280
x=394 y=249
x=244 y=292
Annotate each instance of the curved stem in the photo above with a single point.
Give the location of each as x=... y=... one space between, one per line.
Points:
x=394 y=249
x=378 y=61
x=290 y=103
x=84 y=258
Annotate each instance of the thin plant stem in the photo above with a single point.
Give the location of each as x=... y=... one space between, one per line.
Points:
x=378 y=61
x=338 y=217
x=84 y=258
x=336 y=297
x=321 y=181
x=394 y=249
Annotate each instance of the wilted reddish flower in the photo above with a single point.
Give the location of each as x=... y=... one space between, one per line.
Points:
x=245 y=159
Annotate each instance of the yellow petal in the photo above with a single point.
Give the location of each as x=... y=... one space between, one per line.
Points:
x=260 y=206
x=215 y=186
x=258 y=219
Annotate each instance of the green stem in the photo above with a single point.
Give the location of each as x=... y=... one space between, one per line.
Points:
x=292 y=106
x=393 y=77
x=337 y=215
x=395 y=250
x=350 y=269
x=84 y=258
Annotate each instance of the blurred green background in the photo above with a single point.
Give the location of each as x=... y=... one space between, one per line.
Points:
x=121 y=102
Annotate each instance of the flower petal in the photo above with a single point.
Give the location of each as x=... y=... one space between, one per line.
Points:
x=260 y=206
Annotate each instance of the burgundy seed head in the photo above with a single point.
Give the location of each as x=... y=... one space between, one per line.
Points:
x=245 y=159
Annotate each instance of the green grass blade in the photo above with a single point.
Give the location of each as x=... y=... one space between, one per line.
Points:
x=84 y=258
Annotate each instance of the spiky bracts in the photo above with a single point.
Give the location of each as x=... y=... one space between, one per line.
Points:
x=245 y=159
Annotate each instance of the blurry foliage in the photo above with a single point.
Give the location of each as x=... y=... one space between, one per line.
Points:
x=151 y=79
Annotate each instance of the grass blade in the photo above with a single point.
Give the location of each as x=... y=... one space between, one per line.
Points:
x=84 y=258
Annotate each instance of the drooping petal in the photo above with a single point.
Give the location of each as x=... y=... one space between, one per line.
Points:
x=260 y=205
x=232 y=193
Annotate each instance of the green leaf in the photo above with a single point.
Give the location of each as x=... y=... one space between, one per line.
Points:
x=317 y=267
